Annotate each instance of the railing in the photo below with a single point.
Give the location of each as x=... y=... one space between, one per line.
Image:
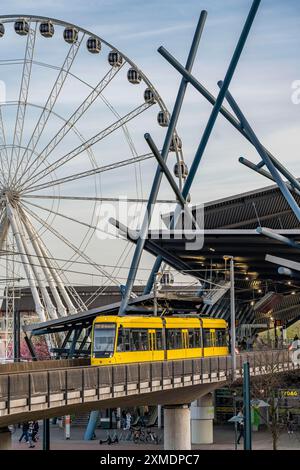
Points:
x=42 y=389
x=16 y=367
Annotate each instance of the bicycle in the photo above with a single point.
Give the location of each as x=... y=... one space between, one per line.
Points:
x=110 y=439
x=152 y=437
x=138 y=435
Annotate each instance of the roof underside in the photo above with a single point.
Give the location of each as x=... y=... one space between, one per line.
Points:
x=230 y=225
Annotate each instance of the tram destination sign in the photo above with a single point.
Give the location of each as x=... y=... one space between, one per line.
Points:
x=104 y=325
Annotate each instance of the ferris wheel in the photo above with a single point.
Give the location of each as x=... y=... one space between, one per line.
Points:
x=73 y=111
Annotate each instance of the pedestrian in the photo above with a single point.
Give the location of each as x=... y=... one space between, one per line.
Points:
x=296 y=343
x=249 y=343
x=240 y=426
x=25 y=427
x=243 y=344
x=258 y=342
x=30 y=435
x=123 y=419
x=290 y=423
x=35 y=431
x=128 y=421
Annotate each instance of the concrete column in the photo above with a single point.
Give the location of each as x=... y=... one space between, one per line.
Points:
x=284 y=335
x=159 y=416
x=177 y=430
x=5 y=439
x=202 y=415
x=119 y=413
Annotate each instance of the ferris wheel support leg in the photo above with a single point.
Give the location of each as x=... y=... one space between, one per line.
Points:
x=38 y=306
x=48 y=274
x=51 y=310
x=57 y=279
x=158 y=176
x=4 y=226
x=59 y=282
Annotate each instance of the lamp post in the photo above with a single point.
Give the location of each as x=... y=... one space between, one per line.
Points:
x=247 y=407
x=232 y=315
x=235 y=422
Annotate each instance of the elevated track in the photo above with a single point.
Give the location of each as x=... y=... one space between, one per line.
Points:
x=54 y=388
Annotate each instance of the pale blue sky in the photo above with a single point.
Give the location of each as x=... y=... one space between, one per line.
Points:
x=262 y=84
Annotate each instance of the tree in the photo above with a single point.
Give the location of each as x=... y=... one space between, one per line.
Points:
x=267 y=387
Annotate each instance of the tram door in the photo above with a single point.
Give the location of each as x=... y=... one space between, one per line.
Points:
x=185 y=342
x=152 y=343
x=213 y=341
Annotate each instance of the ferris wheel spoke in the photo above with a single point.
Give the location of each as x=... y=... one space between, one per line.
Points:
x=23 y=95
x=92 y=198
x=82 y=108
x=129 y=141
x=67 y=217
x=118 y=268
x=92 y=172
x=65 y=121
x=73 y=247
x=90 y=142
x=4 y=150
x=50 y=103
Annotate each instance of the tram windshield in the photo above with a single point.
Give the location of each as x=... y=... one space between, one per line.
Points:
x=104 y=339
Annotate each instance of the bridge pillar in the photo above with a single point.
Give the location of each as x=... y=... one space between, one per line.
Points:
x=202 y=415
x=177 y=428
x=5 y=438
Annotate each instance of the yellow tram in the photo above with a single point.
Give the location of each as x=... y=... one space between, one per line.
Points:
x=123 y=340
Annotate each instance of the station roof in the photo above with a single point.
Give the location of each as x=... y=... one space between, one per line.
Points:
x=230 y=229
x=248 y=248
x=264 y=207
x=230 y=225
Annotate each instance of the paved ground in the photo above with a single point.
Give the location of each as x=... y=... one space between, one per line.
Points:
x=223 y=440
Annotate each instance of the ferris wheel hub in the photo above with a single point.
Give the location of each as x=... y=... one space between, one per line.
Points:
x=10 y=195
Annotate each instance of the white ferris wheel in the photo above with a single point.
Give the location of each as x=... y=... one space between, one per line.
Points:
x=73 y=110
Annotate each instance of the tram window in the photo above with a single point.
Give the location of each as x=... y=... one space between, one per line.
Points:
x=197 y=338
x=174 y=339
x=144 y=346
x=191 y=343
x=221 y=337
x=139 y=340
x=194 y=338
x=206 y=338
x=123 y=340
x=159 y=342
x=104 y=337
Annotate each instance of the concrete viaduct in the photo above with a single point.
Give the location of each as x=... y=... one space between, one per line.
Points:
x=45 y=389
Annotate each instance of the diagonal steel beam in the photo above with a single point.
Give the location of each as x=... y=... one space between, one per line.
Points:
x=217 y=106
x=227 y=114
x=287 y=263
x=263 y=154
x=165 y=169
x=158 y=175
x=265 y=173
x=276 y=236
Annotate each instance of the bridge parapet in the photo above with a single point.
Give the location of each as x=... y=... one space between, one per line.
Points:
x=54 y=391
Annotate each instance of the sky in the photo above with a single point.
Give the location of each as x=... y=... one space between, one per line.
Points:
x=262 y=84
